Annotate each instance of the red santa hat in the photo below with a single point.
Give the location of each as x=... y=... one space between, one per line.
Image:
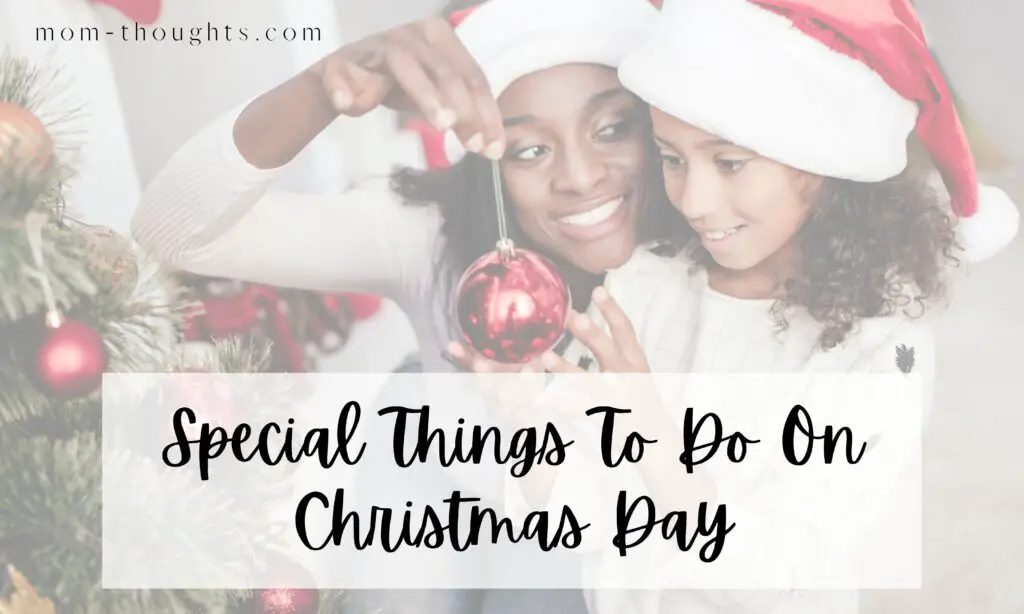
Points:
x=831 y=87
x=513 y=38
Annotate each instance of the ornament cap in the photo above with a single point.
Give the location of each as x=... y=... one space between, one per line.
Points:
x=54 y=319
x=506 y=249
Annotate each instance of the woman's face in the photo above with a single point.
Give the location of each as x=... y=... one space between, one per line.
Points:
x=746 y=208
x=577 y=146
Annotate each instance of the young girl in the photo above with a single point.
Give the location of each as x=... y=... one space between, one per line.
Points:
x=812 y=245
x=810 y=237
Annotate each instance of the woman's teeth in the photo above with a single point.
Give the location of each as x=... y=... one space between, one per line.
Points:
x=595 y=216
x=718 y=235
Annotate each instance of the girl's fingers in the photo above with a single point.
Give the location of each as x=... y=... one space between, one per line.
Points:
x=622 y=332
x=553 y=363
x=596 y=340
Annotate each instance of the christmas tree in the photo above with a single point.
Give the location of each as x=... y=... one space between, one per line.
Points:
x=76 y=303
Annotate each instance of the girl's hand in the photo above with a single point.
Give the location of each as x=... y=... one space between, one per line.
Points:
x=618 y=352
x=421 y=65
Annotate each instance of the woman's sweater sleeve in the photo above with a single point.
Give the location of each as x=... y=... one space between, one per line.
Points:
x=210 y=212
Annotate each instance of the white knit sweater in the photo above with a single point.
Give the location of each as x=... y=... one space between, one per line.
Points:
x=210 y=212
x=685 y=326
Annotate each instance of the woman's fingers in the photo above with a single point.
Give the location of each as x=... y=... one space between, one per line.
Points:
x=450 y=85
x=472 y=361
x=410 y=74
x=354 y=91
x=482 y=123
x=433 y=72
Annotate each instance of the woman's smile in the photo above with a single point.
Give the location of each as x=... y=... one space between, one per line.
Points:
x=597 y=219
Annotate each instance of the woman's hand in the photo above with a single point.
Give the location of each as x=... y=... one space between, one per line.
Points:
x=617 y=352
x=423 y=65
x=471 y=361
x=513 y=396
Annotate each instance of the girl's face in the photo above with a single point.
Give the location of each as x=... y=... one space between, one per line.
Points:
x=746 y=208
x=576 y=154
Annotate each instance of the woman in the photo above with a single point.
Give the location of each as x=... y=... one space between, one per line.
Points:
x=812 y=247
x=529 y=82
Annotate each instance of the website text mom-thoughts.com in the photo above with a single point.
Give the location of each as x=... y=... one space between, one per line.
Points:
x=521 y=480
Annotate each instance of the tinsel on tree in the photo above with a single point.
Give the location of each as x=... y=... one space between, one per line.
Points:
x=75 y=302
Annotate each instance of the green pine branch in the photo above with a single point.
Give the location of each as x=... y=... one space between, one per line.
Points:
x=51 y=457
x=51 y=523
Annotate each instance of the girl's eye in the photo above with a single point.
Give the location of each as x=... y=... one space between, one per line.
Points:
x=671 y=161
x=530 y=153
x=731 y=166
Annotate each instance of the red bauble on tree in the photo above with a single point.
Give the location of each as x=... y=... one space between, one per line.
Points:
x=71 y=359
x=209 y=399
x=512 y=305
x=283 y=600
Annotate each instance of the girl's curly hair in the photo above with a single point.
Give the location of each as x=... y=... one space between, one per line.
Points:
x=868 y=250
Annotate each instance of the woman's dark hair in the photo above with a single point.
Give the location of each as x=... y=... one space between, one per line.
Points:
x=868 y=250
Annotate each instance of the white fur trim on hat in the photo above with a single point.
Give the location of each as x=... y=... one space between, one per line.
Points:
x=513 y=38
x=748 y=75
x=992 y=227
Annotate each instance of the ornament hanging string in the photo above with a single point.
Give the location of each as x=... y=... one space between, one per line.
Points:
x=34 y=223
x=506 y=249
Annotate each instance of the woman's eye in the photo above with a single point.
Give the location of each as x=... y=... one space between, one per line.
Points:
x=616 y=129
x=671 y=161
x=530 y=153
x=730 y=166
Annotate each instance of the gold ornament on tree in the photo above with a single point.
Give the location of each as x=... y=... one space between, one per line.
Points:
x=24 y=142
x=112 y=259
x=25 y=599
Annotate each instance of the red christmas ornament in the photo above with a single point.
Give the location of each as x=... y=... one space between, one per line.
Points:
x=512 y=305
x=284 y=600
x=208 y=399
x=71 y=359
x=141 y=11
